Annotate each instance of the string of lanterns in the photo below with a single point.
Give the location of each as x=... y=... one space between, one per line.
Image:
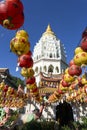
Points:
x=9 y=97
x=73 y=86
x=20 y=45
x=12 y=17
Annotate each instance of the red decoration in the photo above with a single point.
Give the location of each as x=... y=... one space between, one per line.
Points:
x=71 y=62
x=34 y=90
x=14 y=7
x=84 y=34
x=5 y=88
x=84 y=44
x=65 y=84
x=60 y=91
x=80 y=81
x=29 y=53
x=11 y=14
x=3 y=10
x=30 y=80
x=74 y=70
x=25 y=61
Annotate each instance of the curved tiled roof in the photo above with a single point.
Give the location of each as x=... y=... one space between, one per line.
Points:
x=53 y=78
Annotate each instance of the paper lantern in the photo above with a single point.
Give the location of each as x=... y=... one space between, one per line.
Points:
x=11 y=14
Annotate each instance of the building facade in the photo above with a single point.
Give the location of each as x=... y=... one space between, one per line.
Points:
x=49 y=55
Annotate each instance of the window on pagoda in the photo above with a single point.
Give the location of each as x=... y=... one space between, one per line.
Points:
x=36 y=70
x=50 y=55
x=45 y=68
x=44 y=48
x=57 y=54
x=57 y=69
x=50 y=69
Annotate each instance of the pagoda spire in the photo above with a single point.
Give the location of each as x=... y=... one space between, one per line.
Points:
x=48 y=28
x=48 y=31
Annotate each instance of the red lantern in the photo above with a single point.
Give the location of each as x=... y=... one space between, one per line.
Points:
x=30 y=80
x=14 y=7
x=74 y=70
x=25 y=61
x=11 y=14
x=5 y=88
x=71 y=62
x=29 y=53
x=84 y=34
x=3 y=10
x=65 y=84
x=34 y=90
x=60 y=91
x=84 y=44
x=80 y=82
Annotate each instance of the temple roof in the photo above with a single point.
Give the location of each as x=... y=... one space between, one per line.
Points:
x=3 y=70
x=53 y=78
x=46 y=88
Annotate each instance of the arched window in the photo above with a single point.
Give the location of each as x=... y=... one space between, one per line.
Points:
x=45 y=68
x=57 y=69
x=36 y=69
x=45 y=47
x=57 y=54
x=50 y=55
x=50 y=69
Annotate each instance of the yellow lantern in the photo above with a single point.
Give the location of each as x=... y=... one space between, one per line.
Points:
x=84 y=79
x=2 y=84
x=66 y=70
x=78 y=50
x=27 y=72
x=68 y=78
x=19 y=45
x=32 y=86
x=80 y=58
x=22 y=33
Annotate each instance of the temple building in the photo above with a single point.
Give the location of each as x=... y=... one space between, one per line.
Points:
x=49 y=57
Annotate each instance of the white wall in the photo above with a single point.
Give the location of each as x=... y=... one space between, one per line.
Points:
x=79 y=110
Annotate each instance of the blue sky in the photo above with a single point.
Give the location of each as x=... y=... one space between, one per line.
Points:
x=68 y=19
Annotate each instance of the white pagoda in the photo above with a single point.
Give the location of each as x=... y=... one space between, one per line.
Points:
x=49 y=55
